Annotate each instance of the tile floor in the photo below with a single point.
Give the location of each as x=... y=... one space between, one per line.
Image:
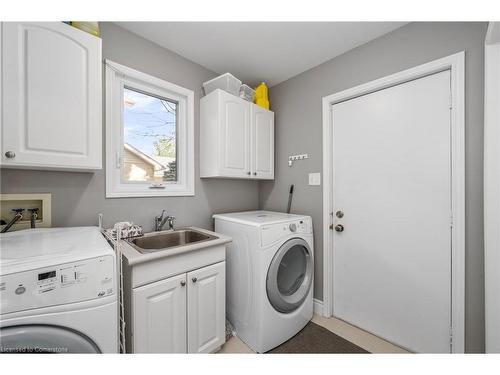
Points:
x=357 y=336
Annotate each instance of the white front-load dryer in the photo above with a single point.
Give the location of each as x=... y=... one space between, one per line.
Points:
x=269 y=282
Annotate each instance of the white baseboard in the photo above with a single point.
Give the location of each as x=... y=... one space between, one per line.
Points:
x=318 y=307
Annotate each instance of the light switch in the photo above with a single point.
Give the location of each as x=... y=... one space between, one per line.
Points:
x=315 y=178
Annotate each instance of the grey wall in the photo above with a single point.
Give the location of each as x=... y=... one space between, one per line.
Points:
x=297 y=104
x=78 y=197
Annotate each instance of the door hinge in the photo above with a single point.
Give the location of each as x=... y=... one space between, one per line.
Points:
x=451 y=339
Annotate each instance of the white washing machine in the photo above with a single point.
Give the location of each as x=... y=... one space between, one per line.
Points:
x=269 y=282
x=58 y=292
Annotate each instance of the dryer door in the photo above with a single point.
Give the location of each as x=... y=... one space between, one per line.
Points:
x=44 y=339
x=290 y=275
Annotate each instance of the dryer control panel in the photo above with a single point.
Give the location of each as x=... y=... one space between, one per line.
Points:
x=276 y=232
x=65 y=283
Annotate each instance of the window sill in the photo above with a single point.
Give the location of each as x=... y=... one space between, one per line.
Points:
x=152 y=193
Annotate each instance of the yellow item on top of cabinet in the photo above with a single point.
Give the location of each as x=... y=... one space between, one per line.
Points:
x=88 y=27
x=261 y=96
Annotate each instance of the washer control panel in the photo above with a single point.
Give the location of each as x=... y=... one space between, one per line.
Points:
x=275 y=232
x=65 y=283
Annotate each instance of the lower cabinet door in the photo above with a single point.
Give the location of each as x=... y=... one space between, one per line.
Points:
x=159 y=316
x=206 y=308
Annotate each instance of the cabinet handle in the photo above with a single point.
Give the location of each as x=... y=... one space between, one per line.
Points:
x=255 y=173
x=12 y=155
x=248 y=173
x=194 y=279
x=183 y=283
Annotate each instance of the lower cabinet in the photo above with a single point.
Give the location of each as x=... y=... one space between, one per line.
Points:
x=206 y=312
x=184 y=313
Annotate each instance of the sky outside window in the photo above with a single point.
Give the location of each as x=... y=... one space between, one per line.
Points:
x=149 y=136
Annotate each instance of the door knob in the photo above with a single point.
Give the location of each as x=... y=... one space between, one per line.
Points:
x=194 y=279
x=339 y=214
x=10 y=154
x=183 y=283
x=339 y=228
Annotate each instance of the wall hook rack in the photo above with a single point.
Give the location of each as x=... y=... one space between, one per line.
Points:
x=293 y=158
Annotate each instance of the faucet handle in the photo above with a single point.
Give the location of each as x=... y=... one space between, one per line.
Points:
x=171 y=220
x=17 y=210
x=33 y=210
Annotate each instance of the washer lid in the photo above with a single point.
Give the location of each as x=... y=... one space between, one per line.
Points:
x=259 y=218
x=41 y=247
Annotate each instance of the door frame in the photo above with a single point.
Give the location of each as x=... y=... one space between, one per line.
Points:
x=492 y=186
x=456 y=64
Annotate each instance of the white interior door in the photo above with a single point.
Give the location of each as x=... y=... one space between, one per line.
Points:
x=392 y=181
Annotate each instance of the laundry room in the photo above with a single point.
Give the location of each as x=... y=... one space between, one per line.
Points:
x=253 y=186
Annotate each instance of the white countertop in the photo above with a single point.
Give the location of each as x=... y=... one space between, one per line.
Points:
x=135 y=257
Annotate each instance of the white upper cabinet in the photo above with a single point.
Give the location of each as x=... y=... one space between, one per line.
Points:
x=262 y=149
x=51 y=97
x=236 y=138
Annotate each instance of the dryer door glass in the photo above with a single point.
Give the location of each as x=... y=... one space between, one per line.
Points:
x=38 y=338
x=290 y=275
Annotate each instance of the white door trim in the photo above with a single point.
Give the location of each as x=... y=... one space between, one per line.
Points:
x=492 y=186
x=456 y=64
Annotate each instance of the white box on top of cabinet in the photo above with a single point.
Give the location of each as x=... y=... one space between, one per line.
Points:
x=236 y=138
x=51 y=97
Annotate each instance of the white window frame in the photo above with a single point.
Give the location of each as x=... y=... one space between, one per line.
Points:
x=118 y=77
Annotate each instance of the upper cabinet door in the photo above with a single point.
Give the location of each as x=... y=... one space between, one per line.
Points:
x=159 y=316
x=234 y=136
x=51 y=104
x=206 y=303
x=262 y=149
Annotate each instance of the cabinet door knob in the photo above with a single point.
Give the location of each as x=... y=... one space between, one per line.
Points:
x=255 y=173
x=194 y=279
x=10 y=154
x=183 y=283
x=248 y=173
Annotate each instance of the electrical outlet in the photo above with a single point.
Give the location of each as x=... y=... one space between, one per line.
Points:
x=315 y=178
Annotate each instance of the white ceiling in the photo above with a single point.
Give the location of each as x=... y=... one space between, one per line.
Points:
x=260 y=51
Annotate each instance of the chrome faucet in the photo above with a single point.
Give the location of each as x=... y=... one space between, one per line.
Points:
x=18 y=216
x=161 y=220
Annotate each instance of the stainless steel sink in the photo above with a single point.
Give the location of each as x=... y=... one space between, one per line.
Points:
x=158 y=241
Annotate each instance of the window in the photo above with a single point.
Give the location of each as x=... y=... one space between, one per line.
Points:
x=149 y=135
